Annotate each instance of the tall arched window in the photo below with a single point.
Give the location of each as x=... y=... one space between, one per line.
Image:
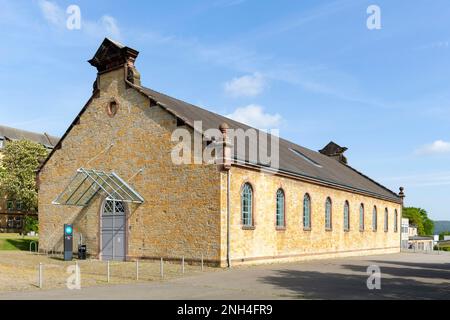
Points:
x=346 y=216
x=307 y=212
x=280 y=218
x=395 y=221
x=328 y=208
x=374 y=219
x=386 y=220
x=247 y=205
x=361 y=217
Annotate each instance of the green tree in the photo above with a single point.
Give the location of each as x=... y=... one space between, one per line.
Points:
x=419 y=217
x=20 y=161
x=30 y=224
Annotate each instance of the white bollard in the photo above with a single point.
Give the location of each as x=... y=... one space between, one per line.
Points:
x=108 y=275
x=182 y=265
x=162 y=268
x=40 y=281
x=202 y=262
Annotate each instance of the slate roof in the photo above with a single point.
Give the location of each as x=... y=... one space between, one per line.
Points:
x=18 y=134
x=311 y=164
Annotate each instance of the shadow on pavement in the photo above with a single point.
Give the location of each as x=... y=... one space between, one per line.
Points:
x=335 y=286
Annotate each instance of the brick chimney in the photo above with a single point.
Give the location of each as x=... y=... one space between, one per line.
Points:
x=113 y=55
x=335 y=151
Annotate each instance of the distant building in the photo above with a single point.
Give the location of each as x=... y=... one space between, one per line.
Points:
x=421 y=243
x=11 y=211
x=405 y=233
x=412 y=230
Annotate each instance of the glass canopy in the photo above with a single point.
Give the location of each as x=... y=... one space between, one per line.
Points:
x=87 y=183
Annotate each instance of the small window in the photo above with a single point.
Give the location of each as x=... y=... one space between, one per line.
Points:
x=10 y=205
x=361 y=217
x=395 y=221
x=280 y=214
x=374 y=219
x=112 y=108
x=307 y=212
x=10 y=223
x=19 y=205
x=346 y=216
x=247 y=205
x=328 y=218
x=386 y=220
x=18 y=222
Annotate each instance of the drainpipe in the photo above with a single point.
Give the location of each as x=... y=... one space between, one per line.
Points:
x=402 y=196
x=228 y=218
x=226 y=165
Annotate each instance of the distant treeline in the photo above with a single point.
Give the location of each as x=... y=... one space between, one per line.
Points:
x=441 y=226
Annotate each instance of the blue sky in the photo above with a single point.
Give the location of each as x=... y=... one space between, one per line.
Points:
x=310 y=68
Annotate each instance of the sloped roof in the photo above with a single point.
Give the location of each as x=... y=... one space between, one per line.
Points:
x=18 y=134
x=310 y=164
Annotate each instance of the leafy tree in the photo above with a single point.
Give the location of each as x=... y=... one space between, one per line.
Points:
x=30 y=224
x=419 y=217
x=20 y=161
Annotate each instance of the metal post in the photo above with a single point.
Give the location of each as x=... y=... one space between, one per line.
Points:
x=108 y=272
x=162 y=268
x=77 y=272
x=137 y=270
x=40 y=275
x=182 y=265
x=202 y=262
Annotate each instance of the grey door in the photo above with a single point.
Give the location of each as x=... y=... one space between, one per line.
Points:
x=113 y=230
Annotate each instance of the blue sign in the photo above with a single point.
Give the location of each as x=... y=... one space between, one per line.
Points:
x=69 y=230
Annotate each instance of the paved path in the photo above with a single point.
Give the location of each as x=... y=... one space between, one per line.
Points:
x=406 y=276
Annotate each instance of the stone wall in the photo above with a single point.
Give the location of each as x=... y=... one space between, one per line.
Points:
x=265 y=243
x=181 y=212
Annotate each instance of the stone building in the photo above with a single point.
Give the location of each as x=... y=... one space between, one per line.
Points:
x=112 y=175
x=11 y=210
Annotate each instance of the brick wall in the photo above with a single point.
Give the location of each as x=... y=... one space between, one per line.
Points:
x=265 y=243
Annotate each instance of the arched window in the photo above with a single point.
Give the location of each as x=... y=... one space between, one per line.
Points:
x=361 y=217
x=395 y=221
x=328 y=221
x=374 y=219
x=386 y=220
x=346 y=216
x=247 y=205
x=280 y=217
x=307 y=212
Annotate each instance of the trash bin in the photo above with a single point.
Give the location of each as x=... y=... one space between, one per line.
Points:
x=82 y=252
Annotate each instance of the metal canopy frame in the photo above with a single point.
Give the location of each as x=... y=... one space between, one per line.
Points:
x=87 y=183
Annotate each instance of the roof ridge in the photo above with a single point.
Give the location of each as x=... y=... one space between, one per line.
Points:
x=26 y=131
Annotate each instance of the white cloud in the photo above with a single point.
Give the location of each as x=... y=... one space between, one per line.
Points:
x=423 y=179
x=52 y=12
x=56 y=16
x=106 y=26
x=254 y=116
x=248 y=86
x=437 y=147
